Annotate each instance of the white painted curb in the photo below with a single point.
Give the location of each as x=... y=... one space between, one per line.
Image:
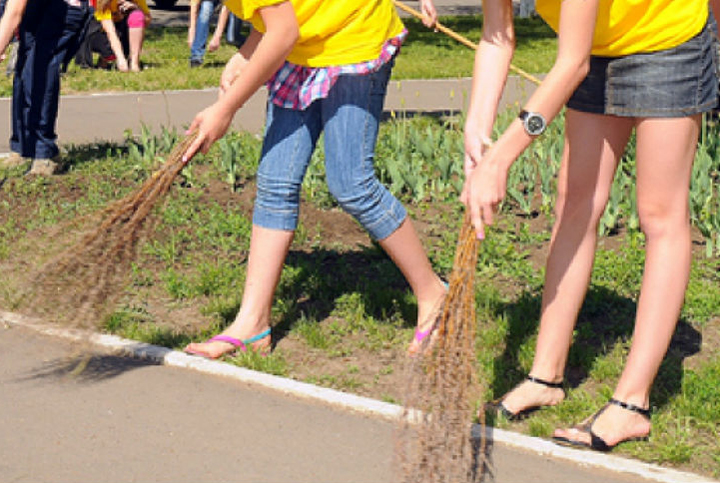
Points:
x=352 y=402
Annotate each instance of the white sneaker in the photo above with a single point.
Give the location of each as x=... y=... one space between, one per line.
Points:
x=46 y=166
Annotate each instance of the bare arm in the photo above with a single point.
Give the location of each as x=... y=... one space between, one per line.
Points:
x=14 y=10
x=237 y=62
x=115 y=44
x=265 y=58
x=219 y=29
x=492 y=61
x=488 y=166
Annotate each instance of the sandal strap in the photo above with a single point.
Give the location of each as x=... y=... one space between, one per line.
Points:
x=537 y=380
x=257 y=337
x=631 y=407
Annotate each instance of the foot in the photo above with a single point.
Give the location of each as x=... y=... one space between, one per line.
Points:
x=531 y=395
x=615 y=423
x=46 y=166
x=195 y=63
x=227 y=343
x=422 y=338
x=135 y=68
x=428 y=313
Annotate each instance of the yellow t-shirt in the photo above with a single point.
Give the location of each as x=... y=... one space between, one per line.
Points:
x=332 y=32
x=107 y=14
x=626 y=27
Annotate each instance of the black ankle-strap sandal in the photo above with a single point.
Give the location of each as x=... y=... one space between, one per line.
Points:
x=596 y=442
x=647 y=412
x=537 y=380
x=520 y=415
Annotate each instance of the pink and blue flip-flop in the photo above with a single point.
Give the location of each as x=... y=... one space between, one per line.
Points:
x=242 y=345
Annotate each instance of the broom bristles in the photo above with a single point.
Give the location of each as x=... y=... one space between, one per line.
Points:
x=442 y=385
x=79 y=284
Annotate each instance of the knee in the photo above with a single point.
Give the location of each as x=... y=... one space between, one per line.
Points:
x=277 y=192
x=662 y=219
x=351 y=195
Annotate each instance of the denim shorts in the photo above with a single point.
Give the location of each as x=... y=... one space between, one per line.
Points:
x=677 y=82
x=349 y=117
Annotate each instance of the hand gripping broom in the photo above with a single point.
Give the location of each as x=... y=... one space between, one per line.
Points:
x=435 y=442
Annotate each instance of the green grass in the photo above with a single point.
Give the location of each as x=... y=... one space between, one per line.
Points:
x=424 y=55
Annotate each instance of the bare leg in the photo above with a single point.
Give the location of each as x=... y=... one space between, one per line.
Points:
x=666 y=150
x=405 y=249
x=268 y=250
x=136 y=37
x=594 y=144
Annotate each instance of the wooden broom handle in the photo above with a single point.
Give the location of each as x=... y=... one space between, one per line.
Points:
x=463 y=40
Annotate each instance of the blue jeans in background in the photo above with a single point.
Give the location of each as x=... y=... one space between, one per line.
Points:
x=50 y=33
x=233 y=34
x=202 y=29
x=349 y=117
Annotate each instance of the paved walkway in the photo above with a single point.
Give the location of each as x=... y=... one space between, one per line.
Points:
x=124 y=419
x=81 y=116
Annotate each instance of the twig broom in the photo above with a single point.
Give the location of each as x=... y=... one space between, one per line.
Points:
x=435 y=442
x=81 y=282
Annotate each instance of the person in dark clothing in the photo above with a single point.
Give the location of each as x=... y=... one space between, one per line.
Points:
x=49 y=33
x=96 y=42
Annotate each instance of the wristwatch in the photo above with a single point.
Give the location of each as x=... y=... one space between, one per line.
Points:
x=533 y=122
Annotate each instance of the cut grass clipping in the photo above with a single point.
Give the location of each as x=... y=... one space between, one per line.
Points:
x=435 y=436
x=84 y=280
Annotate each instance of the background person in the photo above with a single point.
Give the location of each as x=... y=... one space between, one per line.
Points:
x=49 y=32
x=201 y=12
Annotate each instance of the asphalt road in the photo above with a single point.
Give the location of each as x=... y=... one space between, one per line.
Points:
x=120 y=419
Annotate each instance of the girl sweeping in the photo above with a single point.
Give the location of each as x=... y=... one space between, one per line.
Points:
x=622 y=65
x=327 y=65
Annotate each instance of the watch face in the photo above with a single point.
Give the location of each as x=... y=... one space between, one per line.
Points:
x=535 y=124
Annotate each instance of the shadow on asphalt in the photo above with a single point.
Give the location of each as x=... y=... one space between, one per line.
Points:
x=86 y=368
x=483 y=470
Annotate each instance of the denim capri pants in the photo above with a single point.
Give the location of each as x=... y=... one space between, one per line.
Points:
x=677 y=82
x=349 y=116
